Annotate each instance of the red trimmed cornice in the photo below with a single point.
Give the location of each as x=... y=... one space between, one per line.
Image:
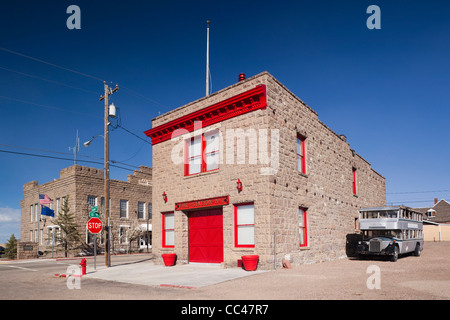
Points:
x=248 y=101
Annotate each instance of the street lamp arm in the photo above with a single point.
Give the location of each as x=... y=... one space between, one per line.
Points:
x=87 y=143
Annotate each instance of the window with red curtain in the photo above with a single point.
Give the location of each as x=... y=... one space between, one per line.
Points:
x=302 y=227
x=354 y=180
x=301 y=154
x=202 y=153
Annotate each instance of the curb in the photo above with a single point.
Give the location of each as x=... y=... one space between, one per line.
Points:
x=62 y=275
x=176 y=286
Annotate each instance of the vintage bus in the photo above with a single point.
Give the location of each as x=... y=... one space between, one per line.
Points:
x=390 y=231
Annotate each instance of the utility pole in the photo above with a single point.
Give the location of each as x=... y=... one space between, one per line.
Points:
x=105 y=97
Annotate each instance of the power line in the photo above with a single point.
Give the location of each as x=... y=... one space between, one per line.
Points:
x=413 y=201
x=66 y=153
x=47 y=106
x=130 y=91
x=136 y=94
x=412 y=192
x=119 y=126
x=135 y=154
x=47 y=80
x=45 y=156
x=68 y=159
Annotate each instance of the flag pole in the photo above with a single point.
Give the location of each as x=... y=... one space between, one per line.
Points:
x=207 y=57
x=37 y=245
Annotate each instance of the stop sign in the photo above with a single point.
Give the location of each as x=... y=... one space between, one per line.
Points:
x=94 y=225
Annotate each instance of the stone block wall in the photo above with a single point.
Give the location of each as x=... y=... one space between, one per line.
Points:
x=325 y=190
x=27 y=250
x=79 y=182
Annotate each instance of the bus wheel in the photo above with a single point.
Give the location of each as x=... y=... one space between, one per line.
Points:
x=395 y=255
x=417 y=250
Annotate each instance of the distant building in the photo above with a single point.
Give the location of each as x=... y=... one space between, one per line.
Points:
x=437 y=221
x=439 y=212
x=251 y=170
x=131 y=206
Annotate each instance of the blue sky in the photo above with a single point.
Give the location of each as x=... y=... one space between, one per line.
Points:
x=387 y=90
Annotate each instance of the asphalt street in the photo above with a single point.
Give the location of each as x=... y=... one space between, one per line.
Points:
x=129 y=277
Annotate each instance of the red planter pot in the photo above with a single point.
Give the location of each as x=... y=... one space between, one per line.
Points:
x=250 y=262
x=169 y=259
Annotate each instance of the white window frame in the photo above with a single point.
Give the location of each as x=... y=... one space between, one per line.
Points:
x=244 y=224
x=143 y=209
x=123 y=228
x=58 y=206
x=120 y=209
x=168 y=228
x=89 y=202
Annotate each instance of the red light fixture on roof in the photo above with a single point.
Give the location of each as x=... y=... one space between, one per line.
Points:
x=241 y=77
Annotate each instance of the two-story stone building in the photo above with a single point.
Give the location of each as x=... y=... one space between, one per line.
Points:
x=130 y=205
x=251 y=169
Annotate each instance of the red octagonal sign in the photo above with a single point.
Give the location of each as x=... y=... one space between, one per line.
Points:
x=94 y=225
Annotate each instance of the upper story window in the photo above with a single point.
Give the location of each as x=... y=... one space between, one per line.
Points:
x=202 y=153
x=58 y=206
x=141 y=210
x=354 y=181
x=301 y=165
x=149 y=211
x=124 y=208
x=92 y=201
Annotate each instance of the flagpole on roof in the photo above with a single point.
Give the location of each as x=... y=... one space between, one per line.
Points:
x=207 y=57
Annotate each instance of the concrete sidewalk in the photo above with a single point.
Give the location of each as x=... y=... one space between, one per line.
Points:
x=183 y=275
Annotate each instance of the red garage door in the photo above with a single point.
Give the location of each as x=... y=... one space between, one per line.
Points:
x=206 y=236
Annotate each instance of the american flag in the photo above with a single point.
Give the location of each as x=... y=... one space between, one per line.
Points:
x=44 y=199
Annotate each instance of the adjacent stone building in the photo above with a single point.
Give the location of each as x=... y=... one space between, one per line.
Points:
x=251 y=170
x=131 y=206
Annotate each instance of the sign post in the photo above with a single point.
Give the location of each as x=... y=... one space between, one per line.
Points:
x=95 y=251
x=94 y=226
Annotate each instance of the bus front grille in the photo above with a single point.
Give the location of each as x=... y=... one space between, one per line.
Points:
x=374 y=246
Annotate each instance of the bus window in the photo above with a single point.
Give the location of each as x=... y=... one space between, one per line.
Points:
x=392 y=214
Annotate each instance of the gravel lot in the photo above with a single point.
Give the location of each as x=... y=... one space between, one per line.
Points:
x=426 y=278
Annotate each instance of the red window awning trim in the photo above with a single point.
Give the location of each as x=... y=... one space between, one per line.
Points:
x=248 y=101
